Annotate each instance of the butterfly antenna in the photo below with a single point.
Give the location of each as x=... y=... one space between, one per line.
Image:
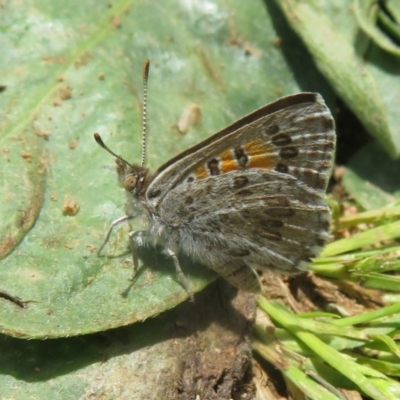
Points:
x=146 y=67
x=100 y=142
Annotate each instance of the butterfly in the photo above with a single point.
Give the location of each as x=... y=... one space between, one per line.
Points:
x=248 y=199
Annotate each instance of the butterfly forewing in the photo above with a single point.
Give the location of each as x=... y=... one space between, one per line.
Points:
x=297 y=139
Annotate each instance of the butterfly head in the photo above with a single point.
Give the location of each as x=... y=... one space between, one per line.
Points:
x=133 y=178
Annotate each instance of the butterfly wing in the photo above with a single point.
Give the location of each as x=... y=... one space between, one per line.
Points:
x=251 y=196
x=249 y=220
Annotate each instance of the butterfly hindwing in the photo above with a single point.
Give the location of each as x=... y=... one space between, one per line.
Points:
x=271 y=222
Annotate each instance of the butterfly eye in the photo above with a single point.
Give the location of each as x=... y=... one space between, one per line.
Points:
x=130 y=182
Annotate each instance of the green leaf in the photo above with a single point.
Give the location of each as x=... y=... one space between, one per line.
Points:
x=363 y=75
x=372 y=178
x=368 y=14
x=367 y=380
x=74 y=68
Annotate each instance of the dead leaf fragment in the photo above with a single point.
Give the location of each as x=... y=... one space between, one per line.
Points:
x=70 y=206
x=190 y=117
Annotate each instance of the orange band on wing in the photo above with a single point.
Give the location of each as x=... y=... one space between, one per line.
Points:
x=201 y=173
x=227 y=163
x=256 y=154
x=260 y=155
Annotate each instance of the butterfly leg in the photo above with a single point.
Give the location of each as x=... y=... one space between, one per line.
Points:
x=181 y=275
x=136 y=239
x=110 y=229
